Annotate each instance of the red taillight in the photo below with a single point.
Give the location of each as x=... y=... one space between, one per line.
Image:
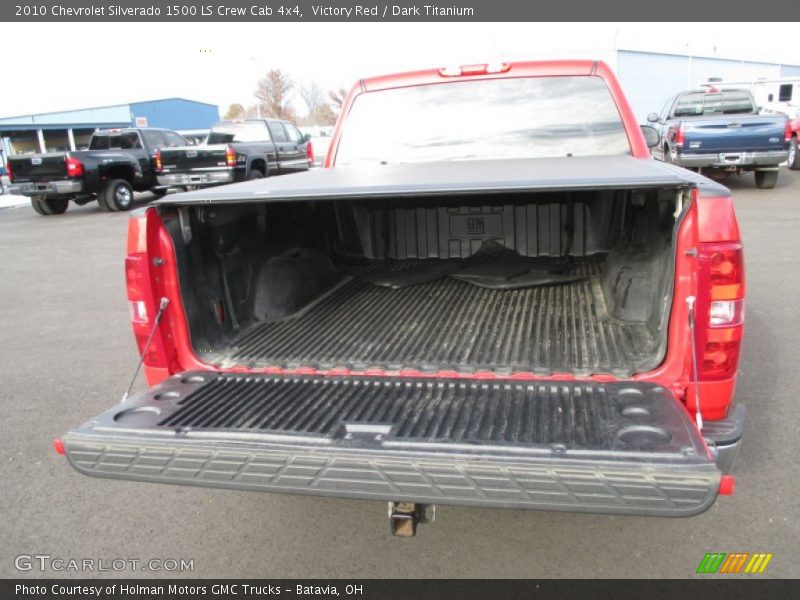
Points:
x=310 y=153
x=727 y=484
x=74 y=167
x=680 y=136
x=58 y=446
x=787 y=131
x=230 y=156
x=720 y=309
x=142 y=301
x=9 y=172
x=159 y=166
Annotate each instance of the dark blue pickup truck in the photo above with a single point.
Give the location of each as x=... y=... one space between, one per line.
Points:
x=721 y=132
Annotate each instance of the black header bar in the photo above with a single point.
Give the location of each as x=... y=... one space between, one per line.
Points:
x=282 y=11
x=710 y=588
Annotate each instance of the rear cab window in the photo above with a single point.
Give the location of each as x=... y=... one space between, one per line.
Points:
x=246 y=131
x=522 y=117
x=728 y=102
x=126 y=140
x=154 y=139
x=174 y=140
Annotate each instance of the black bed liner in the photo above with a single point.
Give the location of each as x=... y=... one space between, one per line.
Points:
x=447 y=324
x=453 y=178
x=627 y=448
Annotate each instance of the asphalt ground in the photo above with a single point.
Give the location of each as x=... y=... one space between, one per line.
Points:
x=67 y=354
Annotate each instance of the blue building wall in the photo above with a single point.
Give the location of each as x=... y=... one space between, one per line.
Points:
x=175 y=113
x=119 y=114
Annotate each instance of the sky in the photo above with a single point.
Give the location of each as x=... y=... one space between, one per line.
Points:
x=51 y=66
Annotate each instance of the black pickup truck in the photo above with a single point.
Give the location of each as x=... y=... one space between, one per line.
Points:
x=237 y=151
x=117 y=163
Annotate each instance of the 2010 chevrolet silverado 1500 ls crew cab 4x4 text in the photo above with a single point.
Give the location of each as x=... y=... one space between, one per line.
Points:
x=500 y=301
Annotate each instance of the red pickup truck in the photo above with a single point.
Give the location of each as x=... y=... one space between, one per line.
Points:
x=493 y=297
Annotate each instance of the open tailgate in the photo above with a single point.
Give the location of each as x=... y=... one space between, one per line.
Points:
x=627 y=448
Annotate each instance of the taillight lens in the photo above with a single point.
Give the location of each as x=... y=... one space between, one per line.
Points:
x=720 y=309
x=9 y=172
x=142 y=301
x=724 y=313
x=310 y=153
x=159 y=166
x=787 y=131
x=680 y=136
x=74 y=167
x=230 y=156
x=142 y=309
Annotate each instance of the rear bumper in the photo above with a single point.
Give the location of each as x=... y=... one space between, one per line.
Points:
x=480 y=479
x=199 y=177
x=626 y=448
x=726 y=436
x=51 y=188
x=733 y=159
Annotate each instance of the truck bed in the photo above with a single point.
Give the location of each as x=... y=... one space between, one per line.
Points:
x=452 y=325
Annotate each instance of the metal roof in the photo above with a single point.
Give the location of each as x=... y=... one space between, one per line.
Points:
x=110 y=116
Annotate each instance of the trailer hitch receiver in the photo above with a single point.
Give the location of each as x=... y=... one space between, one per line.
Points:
x=405 y=516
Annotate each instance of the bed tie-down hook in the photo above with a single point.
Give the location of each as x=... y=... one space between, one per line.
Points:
x=690 y=303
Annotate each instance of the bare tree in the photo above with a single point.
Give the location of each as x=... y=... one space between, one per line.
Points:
x=312 y=95
x=235 y=111
x=274 y=95
x=319 y=110
x=337 y=99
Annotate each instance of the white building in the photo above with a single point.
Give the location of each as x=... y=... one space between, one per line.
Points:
x=649 y=78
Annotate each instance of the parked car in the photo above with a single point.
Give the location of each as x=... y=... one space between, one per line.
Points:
x=237 y=151
x=720 y=132
x=502 y=301
x=117 y=163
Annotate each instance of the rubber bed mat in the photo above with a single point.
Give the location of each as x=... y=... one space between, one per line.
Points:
x=493 y=266
x=453 y=325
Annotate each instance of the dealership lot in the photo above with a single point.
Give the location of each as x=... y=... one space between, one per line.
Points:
x=68 y=354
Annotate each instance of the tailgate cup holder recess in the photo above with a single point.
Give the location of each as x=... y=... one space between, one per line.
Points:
x=140 y=415
x=643 y=437
x=635 y=411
